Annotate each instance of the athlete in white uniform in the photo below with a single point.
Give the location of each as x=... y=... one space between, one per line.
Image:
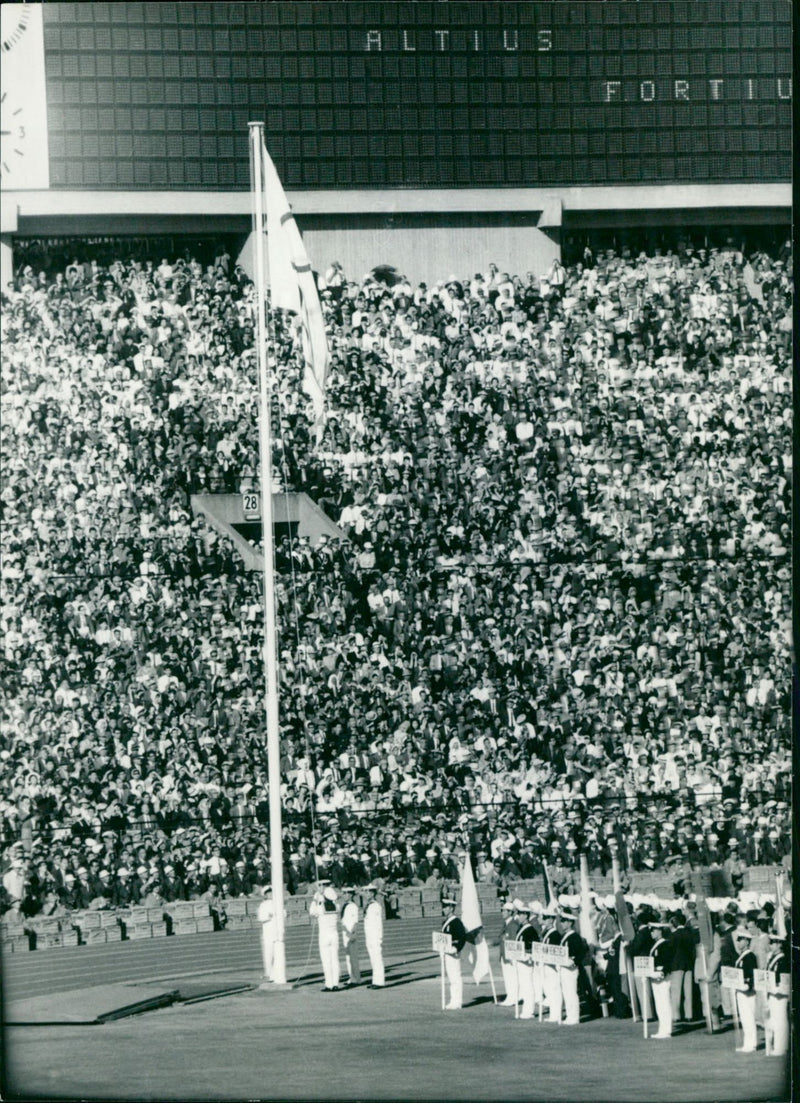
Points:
x=266 y=917
x=351 y=915
x=373 y=935
x=324 y=910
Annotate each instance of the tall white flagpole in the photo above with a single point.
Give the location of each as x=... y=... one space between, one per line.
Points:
x=270 y=633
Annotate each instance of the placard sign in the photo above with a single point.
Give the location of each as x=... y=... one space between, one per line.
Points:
x=779 y=986
x=729 y=977
x=442 y=943
x=549 y=954
x=515 y=950
x=644 y=967
x=761 y=980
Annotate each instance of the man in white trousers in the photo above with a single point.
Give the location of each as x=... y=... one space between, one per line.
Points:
x=661 y=955
x=528 y=934
x=746 y=995
x=568 y=972
x=266 y=917
x=324 y=910
x=551 y=982
x=350 y=939
x=373 y=935
x=778 y=968
x=512 y=921
x=453 y=926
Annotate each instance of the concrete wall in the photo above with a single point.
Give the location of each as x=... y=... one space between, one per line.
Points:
x=433 y=247
x=427 y=247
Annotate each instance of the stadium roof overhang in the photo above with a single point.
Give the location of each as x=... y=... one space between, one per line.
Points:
x=67 y=212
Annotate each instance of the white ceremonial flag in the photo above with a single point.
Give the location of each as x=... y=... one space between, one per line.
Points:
x=473 y=924
x=292 y=285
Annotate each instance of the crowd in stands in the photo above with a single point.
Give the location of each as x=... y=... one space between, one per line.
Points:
x=559 y=622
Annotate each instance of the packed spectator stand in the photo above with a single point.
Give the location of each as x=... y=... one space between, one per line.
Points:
x=560 y=623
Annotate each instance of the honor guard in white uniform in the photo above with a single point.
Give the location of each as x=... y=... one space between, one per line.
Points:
x=453 y=926
x=373 y=934
x=746 y=996
x=778 y=1004
x=568 y=973
x=266 y=918
x=550 y=979
x=528 y=934
x=325 y=911
x=661 y=954
x=512 y=916
x=350 y=939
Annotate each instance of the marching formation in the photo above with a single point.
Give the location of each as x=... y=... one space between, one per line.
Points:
x=634 y=957
x=681 y=962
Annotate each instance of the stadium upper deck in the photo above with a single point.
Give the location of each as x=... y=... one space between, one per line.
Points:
x=424 y=134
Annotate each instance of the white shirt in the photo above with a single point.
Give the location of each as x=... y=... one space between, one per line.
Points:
x=350 y=916
x=266 y=911
x=373 y=919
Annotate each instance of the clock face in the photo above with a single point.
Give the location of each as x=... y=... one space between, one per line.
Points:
x=12 y=137
x=14 y=18
x=24 y=161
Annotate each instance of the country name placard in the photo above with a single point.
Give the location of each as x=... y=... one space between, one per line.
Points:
x=644 y=967
x=729 y=977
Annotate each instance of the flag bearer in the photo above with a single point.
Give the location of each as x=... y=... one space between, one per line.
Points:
x=512 y=921
x=661 y=954
x=568 y=973
x=453 y=926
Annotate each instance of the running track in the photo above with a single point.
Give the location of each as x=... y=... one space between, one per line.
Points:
x=42 y=972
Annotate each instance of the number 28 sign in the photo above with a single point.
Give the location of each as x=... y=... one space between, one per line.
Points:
x=251 y=506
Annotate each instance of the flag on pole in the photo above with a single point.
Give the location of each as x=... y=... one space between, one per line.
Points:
x=780 y=906
x=549 y=894
x=473 y=924
x=705 y=926
x=623 y=914
x=585 y=922
x=292 y=285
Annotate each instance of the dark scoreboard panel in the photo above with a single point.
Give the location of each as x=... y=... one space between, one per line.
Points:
x=441 y=94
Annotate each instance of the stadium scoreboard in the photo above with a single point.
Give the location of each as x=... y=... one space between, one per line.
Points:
x=429 y=94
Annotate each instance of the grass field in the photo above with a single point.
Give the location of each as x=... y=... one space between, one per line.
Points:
x=392 y=1044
